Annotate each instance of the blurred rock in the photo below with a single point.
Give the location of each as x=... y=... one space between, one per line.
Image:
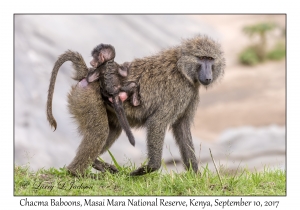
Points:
x=245 y=147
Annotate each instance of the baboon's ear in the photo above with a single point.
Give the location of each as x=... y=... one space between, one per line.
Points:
x=123 y=71
x=92 y=76
x=107 y=53
x=126 y=65
x=186 y=69
x=101 y=58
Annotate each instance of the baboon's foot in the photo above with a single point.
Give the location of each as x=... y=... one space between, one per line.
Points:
x=143 y=170
x=101 y=166
x=123 y=96
x=75 y=173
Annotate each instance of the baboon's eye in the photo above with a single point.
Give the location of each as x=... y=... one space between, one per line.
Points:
x=205 y=58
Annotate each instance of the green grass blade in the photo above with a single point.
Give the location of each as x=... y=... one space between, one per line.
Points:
x=115 y=161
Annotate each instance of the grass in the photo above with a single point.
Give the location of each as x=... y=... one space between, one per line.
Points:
x=59 y=182
x=249 y=56
x=252 y=55
x=257 y=53
x=277 y=53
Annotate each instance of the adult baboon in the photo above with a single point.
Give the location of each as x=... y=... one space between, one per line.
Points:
x=169 y=92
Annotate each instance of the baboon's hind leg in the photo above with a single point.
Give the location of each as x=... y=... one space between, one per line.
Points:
x=87 y=107
x=114 y=132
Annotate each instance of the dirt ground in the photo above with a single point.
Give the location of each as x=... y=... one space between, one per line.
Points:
x=246 y=96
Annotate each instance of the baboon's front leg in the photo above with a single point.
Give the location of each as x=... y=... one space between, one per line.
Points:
x=182 y=133
x=155 y=140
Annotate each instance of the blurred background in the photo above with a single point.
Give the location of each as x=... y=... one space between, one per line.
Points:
x=241 y=118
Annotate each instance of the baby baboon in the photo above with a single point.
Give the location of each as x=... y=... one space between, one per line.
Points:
x=113 y=84
x=112 y=76
x=111 y=90
x=169 y=92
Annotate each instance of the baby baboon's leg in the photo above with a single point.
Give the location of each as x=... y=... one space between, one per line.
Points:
x=132 y=87
x=182 y=133
x=135 y=100
x=89 y=111
x=129 y=86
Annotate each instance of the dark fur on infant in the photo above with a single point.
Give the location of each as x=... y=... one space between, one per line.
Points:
x=113 y=83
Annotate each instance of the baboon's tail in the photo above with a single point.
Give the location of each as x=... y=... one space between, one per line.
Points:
x=80 y=73
x=117 y=104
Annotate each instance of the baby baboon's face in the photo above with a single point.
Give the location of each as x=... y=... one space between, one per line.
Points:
x=101 y=54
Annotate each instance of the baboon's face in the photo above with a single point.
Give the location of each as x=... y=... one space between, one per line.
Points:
x=101 y=54
x=95 y=62
x=205 y=69
x=197 y=69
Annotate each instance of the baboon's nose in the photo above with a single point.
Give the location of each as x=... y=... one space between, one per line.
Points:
x=206 y=81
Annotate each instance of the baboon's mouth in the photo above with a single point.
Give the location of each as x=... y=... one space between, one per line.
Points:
x=206 y=83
